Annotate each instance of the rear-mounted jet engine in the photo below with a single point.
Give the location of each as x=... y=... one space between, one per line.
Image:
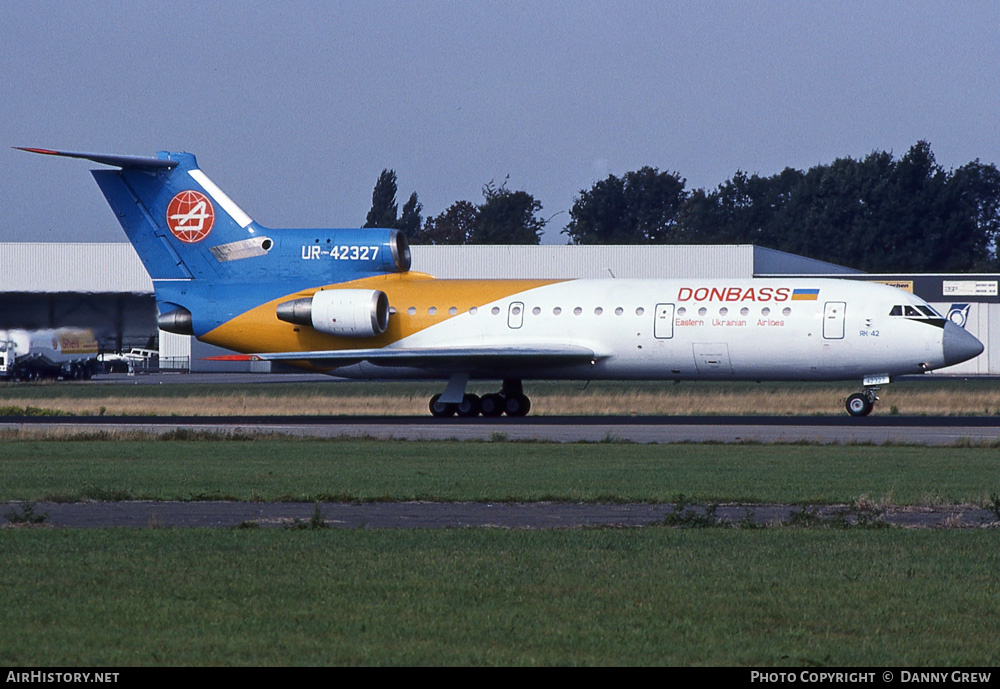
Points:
x=343 y=312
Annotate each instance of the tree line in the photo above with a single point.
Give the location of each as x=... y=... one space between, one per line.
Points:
x=503 y=217
x=878 y=213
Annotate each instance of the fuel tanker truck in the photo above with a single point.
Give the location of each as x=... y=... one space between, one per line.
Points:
x=67 y=353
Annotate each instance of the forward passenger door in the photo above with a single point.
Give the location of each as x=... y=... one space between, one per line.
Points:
x=833 y=320
x=663 y=323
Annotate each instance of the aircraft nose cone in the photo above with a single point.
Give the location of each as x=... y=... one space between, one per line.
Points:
x=959 y=344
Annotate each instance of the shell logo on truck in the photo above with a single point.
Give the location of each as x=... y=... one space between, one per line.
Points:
x=76 y=342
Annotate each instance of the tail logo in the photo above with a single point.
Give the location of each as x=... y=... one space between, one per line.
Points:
x=190 y=216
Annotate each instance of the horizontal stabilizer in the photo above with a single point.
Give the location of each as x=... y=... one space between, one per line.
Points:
x=126 y=162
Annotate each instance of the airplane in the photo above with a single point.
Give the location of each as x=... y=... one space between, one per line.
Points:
x=345 y=302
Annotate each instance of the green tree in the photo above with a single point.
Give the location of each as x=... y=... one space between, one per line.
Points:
x=876 y=214
x=504 y=217
x=507 y=217
x=384 y=207
x=831 y=215
x=741 y=210
x=885 y=215
x=640 y=207
x=978 y=189
x=454 y=226
x=410 y=218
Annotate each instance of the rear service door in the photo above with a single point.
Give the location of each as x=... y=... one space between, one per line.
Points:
x=515 y=315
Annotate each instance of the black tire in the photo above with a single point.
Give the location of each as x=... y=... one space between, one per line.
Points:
x=469 y=407
x=859 y=405
x=516 y=405
x=491 y=406
x=441 y=409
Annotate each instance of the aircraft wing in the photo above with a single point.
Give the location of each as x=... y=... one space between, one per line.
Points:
x=451 y=359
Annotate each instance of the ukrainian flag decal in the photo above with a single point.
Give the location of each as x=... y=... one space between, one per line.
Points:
x=805 y=295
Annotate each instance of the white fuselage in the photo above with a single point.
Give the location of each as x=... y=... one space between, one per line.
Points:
x=761 y=329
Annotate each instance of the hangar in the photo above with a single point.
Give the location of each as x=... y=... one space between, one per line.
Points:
x=104 y=287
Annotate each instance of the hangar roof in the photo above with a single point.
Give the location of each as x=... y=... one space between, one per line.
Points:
x=115 y=268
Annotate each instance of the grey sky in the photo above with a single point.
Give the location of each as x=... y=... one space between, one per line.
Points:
x=294 y=108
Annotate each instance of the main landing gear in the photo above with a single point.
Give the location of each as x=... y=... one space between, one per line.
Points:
x=862 y=403
x=511 y=401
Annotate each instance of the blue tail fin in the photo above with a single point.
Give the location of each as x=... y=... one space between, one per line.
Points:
x=178 y=220
x=209 y=261
x=180 y=223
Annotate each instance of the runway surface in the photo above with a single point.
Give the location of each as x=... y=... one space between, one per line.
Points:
x=876 y=429
x=435 y=515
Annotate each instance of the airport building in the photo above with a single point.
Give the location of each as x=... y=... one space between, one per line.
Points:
x=104 y=287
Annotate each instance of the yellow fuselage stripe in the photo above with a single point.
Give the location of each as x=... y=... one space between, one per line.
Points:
x=259 y=330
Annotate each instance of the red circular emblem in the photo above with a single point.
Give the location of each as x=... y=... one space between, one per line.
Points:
x=190 y=216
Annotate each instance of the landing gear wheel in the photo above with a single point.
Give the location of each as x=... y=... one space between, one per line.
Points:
x=516 y=405
x=859 y=404
x=469 y=406
x=441 y=409
x=491 y=405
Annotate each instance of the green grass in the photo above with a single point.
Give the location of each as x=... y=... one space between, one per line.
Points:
x=653 y=596
x=646 y=596
x=368 y=470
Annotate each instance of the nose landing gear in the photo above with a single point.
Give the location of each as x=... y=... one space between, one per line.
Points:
x=862 y=403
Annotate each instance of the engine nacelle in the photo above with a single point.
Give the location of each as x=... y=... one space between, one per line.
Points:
x=399 y=249
x=177 y=321
x=343 y=312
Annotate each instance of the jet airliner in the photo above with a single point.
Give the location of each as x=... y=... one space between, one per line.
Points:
x=345 y=302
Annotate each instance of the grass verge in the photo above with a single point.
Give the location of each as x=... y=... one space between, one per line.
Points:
x=371 y=470
x=649 y=596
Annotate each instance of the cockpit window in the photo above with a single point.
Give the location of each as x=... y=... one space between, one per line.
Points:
x=918 y=312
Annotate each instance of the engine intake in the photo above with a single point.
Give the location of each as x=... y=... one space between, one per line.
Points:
x=343 y=312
